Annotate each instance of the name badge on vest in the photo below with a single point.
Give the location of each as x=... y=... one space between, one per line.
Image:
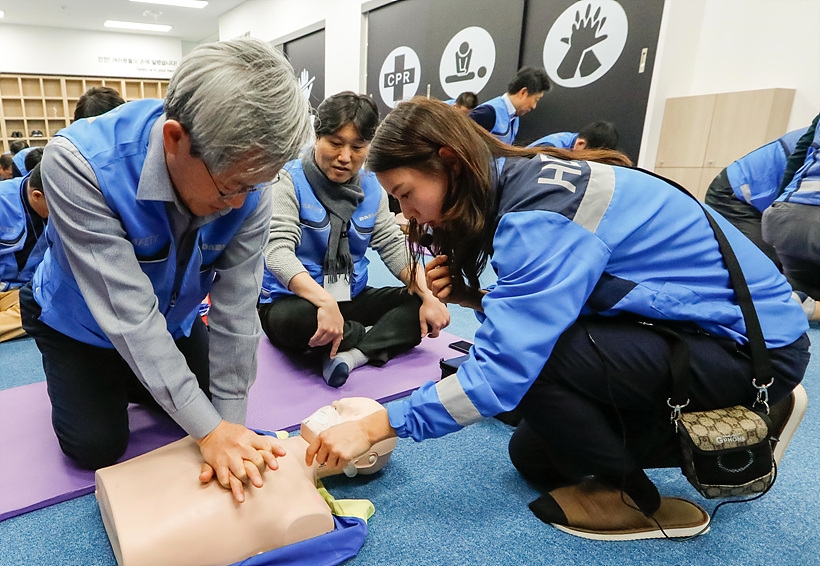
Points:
x=340 y=290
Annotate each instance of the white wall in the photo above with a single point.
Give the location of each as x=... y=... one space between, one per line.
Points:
x=710 y=46
x=674 y=68
x=52 y=51
x=345 y=37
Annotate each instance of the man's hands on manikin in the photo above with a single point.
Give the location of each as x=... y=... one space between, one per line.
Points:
x=237 y=455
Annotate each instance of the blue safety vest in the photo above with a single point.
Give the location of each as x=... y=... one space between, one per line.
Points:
x=755 y=177
x=562 y=140
x=115 y=145
x=314 y=222
x=506 y=127
x=805 y=186
x=14 y=216
x=19 y=160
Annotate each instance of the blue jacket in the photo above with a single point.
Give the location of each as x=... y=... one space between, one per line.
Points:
x=14 y=224
x=115 y=147
x=805 y=186
x=562 y=140
x=314 y=222
x=505 y=127
x=755 y=177
x=609 y=240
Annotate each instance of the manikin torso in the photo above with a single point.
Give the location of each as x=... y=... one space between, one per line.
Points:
x=157 y=512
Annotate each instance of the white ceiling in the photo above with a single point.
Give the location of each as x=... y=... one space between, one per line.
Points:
x=188 y=24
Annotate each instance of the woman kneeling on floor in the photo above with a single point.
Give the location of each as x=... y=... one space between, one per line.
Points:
x=581 y=249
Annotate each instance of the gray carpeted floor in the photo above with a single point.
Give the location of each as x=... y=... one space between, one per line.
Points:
x=458 y=501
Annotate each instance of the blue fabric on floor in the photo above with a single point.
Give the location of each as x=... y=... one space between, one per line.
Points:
x=458 y=500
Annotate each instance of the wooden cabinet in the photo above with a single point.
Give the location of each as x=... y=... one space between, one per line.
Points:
x=700 y=135
x=33 y=104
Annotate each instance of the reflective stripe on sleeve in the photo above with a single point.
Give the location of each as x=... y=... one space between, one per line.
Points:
x=455 y=400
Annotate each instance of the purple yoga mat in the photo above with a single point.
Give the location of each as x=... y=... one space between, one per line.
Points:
x=287 y=389
x=36 y=471
x=290 y=388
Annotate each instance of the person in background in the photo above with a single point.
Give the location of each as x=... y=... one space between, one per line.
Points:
x=798 y=156
x=18 y=158
x=28 y=251
x=6 y=164
x=791 y=225
x=152 y=206
x=327 y=212
x=97 y=100
x=17 y=145
x=23 y=216
x=464 y=102
x=747 y=186
x=33 y=157
x=559 y=336
x=501 y=115
x=597 y=135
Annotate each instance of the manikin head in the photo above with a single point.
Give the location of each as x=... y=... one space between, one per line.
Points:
x=344 y=410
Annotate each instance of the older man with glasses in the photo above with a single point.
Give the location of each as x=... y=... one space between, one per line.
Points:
x=153 y=206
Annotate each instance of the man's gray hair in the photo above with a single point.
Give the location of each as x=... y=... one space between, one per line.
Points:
x=240 y=102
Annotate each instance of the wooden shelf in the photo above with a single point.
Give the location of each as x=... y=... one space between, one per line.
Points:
x=46 y=103
x=700 y=135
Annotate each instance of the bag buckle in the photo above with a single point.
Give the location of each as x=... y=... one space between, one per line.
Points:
x=762 y=394
x=674 y=418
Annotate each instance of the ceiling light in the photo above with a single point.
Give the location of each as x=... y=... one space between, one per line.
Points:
x=180 y=3
x=136 y=25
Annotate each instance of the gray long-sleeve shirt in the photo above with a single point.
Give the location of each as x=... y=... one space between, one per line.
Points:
x=286 y=234
x=122 y=299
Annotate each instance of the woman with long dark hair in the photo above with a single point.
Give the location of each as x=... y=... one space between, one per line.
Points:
x=589 y=254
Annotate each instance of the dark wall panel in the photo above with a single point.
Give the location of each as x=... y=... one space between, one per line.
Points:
x=592 y=50
x=450 y=45
x=307 y=55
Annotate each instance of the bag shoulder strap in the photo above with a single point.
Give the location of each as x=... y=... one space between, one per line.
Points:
x=761 y=363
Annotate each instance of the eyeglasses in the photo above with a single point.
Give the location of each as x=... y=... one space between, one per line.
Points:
x=242 y=190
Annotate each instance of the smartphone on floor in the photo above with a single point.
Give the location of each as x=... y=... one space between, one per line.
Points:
x=461 y=346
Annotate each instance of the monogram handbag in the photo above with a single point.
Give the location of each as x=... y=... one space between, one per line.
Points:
x=727 y=452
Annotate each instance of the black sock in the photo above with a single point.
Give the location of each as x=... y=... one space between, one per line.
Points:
x=640 y=488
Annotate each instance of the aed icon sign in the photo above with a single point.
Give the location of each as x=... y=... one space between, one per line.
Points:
x=400 y=76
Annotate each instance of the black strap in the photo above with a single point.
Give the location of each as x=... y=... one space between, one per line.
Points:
x=761 y=364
